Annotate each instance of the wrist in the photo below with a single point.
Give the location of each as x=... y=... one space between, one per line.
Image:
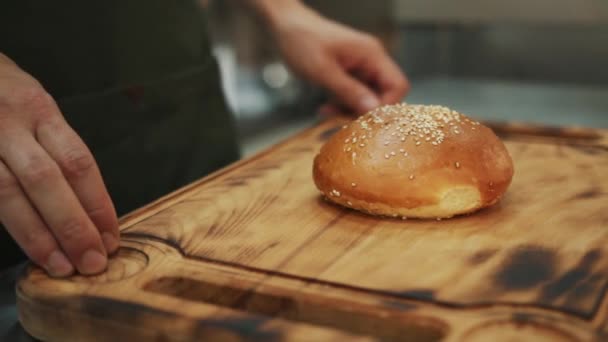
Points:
x=5 y=60
x=275 y=12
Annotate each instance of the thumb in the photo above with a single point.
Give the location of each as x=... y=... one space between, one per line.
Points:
x=349 y=91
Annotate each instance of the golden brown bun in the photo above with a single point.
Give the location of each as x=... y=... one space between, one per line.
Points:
x=414 y=161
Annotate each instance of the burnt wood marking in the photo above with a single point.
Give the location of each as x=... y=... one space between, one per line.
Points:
x=526 y=267
x=572 y=279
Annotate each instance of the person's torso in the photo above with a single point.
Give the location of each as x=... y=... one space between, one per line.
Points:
x=77 y=47
x=136 y=79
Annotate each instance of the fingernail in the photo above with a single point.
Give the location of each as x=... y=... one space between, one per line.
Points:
x=369 y=102
x=92 y=262
x=110 y=242
x=58 y=265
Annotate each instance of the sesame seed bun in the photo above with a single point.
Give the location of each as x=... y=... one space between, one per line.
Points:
x=414 y=161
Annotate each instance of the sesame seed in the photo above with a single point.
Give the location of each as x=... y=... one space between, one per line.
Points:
x=354 y=140
x=457 y=164
x=348 y=149
x=386 y=143
x=405 y=154
x=393 y=153
x=361 y=145
x=386 y=156
x=401 y=150
x=353 y=184
x=403 y=218
x=419 y=121
x=349 y=203
x=412 y=177
x=346 y=141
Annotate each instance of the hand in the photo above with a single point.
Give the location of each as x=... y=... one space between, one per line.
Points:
x=53 y=201
x=352 y=65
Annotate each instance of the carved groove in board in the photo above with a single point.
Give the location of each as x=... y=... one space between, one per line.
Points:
x=299 y=308
x=129 y=316
x=416 y=295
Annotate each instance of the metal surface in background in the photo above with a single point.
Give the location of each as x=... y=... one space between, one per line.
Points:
x=542 y=67
x=520 y=11
x=536 y=103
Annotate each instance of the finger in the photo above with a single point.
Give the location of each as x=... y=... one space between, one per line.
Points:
x=27 y=229
x=329 y=110
x=348 y=90
x=392 y=84
x=58 y=206
x=82 y=173
x=332 y=110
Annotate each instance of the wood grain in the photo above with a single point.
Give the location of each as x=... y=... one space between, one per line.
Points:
x=256 y=242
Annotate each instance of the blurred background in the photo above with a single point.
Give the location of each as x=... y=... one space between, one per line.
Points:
x=538 y=61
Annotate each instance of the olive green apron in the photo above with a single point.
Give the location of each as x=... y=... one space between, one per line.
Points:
x=137 y=81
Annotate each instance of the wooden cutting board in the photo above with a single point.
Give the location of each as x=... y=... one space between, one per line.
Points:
x=253 y=252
